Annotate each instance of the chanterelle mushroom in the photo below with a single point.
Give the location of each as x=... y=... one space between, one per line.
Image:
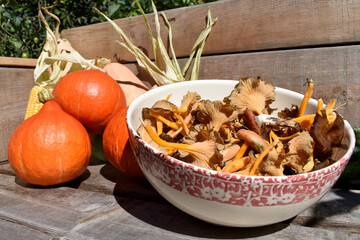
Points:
x=298 y=158
x=164 y=107
x=204 y=153
x=255 y=95
x=145 y=136
x=271 y=165
x=301 y=150
x=326 y=136
x=187 y=100
x=216 y=113
x=283 y=127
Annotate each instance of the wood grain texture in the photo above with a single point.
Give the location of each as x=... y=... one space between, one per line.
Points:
x=335 y=70
x=243 y=25
x=116 y=211
x=17 y=62
x=15 y=86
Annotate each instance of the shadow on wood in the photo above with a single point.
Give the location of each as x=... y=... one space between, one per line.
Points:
x=323 y=211
x=140 y=199
x=72 y=184
x=168 y=217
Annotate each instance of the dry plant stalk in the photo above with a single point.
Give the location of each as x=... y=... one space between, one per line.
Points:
x=165 y=70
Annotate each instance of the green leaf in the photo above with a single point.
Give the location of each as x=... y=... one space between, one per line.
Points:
x=16 y=43
x=112 y=9
x=97 y=150
x=13 y=4
x=7 y=15
x=17 y=21
x=71 y=14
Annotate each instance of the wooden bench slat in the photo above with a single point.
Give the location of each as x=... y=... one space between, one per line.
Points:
x=11 y=229
x=243 y=25
x=76 y=213
x=17 y=62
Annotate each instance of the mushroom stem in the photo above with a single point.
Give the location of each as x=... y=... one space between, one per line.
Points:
x=320 y=106
x=159 y=126
x=164 y=120
x=183 y=123
x=330 y=105
x=261 y=157
x=307 y=96
x=241 y=151
x=234 y=166
x=199 y=150
x=168 y=97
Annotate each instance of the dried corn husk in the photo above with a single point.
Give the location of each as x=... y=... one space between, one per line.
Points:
x=58 y=58
x=165 y=70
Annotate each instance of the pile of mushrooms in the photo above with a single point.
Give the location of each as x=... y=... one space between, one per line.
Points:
x=238 y=134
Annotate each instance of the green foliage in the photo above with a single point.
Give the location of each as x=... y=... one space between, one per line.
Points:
x=350 y=177
x=23 y=35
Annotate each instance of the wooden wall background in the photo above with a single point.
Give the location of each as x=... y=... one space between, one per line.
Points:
x=284 y=42
x=15 y=85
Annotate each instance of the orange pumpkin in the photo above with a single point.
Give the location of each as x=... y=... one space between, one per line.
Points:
x=117 y=146
x=50 y=147
x=91 y=96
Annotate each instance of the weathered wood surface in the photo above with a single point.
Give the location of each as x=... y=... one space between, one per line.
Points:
x=105 y=204
x=15 y=86
x=17 y=62
x=243 y=26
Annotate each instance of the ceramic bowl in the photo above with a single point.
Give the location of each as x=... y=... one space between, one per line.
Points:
x=223 y=198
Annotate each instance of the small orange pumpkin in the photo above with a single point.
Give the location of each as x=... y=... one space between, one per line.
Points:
x=129 y=82
x=50 y=147
x=91 y=96
x=117 y=146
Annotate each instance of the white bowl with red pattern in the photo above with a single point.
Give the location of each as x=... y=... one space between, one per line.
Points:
x=224 y=198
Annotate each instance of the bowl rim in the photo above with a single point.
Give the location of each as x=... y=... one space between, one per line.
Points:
x=232 y=176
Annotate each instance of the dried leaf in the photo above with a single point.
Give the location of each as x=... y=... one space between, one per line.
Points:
x=165 y=70
x=198 y=48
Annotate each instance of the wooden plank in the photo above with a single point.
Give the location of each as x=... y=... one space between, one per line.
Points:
x=335 y=71
x=103 y=178
x=17 y=62
x=243 y=25
x=49 y=210
x=14 y=230
x=15 y=86
x=71 y=213
x=338 y=208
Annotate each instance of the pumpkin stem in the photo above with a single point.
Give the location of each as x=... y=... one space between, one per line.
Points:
x=45 y=94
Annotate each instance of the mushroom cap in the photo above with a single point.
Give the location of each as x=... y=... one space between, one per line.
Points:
x=255 y=95
x=164 y=107
x=188 y=99
x=216 y=113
